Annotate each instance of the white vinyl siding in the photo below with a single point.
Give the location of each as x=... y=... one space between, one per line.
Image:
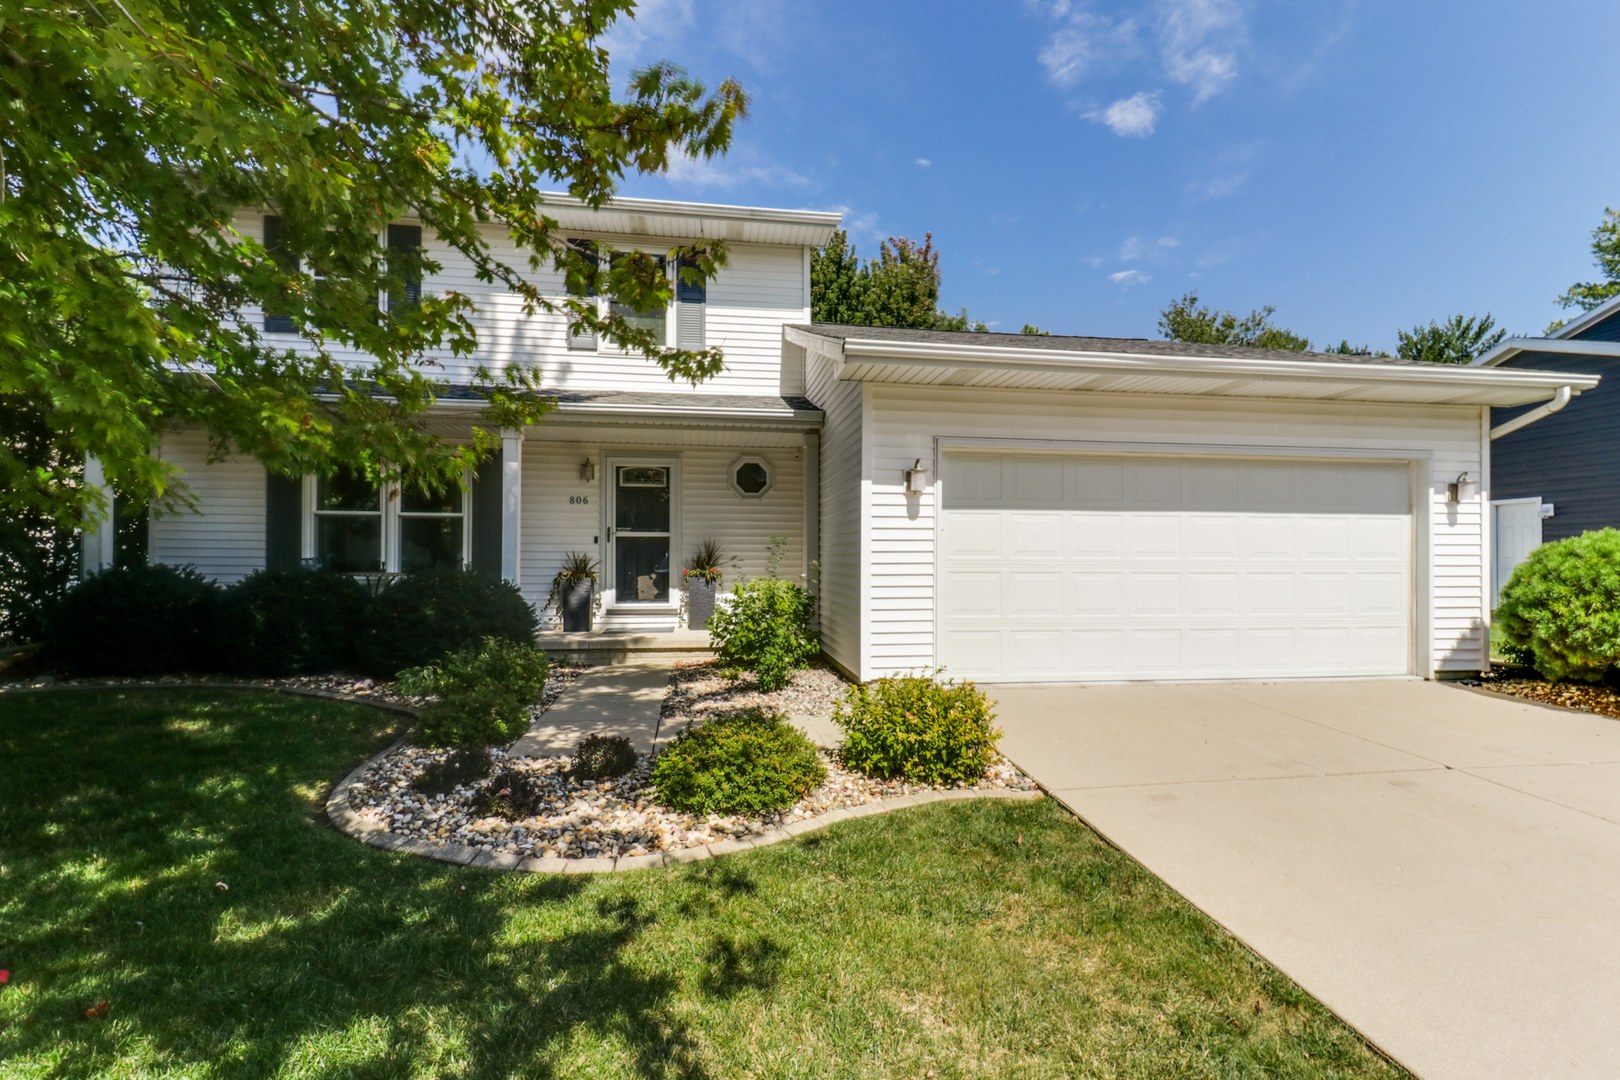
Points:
x=1100 y=567
x=749 y=300
x=225 y=538
x=552 y=525
x=908 y=423
x=843 y=512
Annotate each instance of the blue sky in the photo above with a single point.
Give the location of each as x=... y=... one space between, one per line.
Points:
x=1362 y=166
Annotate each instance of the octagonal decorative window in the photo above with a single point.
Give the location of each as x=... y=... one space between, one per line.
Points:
x=751 y=477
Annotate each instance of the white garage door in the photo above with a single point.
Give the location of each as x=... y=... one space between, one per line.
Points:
x=1102 y=568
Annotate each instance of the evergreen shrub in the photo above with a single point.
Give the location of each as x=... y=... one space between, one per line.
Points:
x=430 y=613
x=290 y=622
x=768 y=628
x=133 y=621
x=1560 y=611
x=917 y=728
x=603 y=757
x=484 y=693
x=751 y=763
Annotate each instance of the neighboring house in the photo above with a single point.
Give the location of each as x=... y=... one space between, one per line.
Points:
x=1013 y=508
x=1561 y=477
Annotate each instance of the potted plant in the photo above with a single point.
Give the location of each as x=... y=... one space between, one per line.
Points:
x=572 y=591
x=702 y=574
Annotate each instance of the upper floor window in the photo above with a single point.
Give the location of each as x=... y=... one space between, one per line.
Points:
x=401 y=239
x=580 y=337
x=654 y=320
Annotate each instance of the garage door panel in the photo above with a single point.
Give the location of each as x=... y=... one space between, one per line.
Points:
x=1091 y=568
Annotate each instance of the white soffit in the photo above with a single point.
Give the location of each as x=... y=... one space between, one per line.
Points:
x=933 y=364
x=683 y=221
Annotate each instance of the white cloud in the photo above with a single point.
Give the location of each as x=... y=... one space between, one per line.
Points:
x=1133 y=116
x=924 y=162
x=1130 y=277
x=657 y=23
x=1136 y=248
x=743 y=168
x=1084 y=42
x=1198 y=41
x=858 y=225
x=1219 y=187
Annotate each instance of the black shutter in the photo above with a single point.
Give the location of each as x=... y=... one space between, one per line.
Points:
x=406 y=238
x=689 y=292
x=283 y=521
x=486 y=518
x=690 y=298
x=275 y=322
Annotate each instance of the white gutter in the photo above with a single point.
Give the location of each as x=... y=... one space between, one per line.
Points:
x=1559 y=400
x=1513 y=346
x=1012 y=358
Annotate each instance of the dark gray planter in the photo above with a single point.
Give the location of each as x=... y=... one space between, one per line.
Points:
x=576 y=606
x=699 y=603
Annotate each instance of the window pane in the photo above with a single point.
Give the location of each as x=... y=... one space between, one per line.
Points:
x=349 y=545
x=429 y=543
x=346 y=489
x=643 y=500
x=751 y=477
x=643 y=320
x=643 y=571
x=415 y=499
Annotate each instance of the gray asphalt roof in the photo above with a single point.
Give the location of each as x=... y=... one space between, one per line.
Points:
x=768 y=404
x=1145 y=346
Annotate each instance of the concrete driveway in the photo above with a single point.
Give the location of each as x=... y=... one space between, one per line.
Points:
x=1440 y=866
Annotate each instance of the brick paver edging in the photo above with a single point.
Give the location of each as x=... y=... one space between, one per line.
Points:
x=343 y=815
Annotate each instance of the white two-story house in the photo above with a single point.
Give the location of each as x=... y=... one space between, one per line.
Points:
x=1012 y=508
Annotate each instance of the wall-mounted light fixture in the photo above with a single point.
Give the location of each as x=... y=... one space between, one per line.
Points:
x=587 y=470
x=1460 y=489
x=916 y=479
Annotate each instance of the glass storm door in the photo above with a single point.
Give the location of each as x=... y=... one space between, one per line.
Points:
x=641 y=515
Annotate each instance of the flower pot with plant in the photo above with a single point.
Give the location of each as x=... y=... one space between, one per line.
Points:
x=702 y=573
x=573 y=590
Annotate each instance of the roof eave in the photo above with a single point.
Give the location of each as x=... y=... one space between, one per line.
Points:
x=1508 y=348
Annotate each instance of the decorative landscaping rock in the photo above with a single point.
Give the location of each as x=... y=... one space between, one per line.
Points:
x=698 y=691
x=608 y=819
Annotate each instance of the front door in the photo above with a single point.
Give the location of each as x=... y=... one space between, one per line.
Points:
x=639 y=546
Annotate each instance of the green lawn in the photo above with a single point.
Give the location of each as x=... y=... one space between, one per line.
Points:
x=925 y=942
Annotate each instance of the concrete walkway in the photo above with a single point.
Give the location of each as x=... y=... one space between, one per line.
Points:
x=624 y=699
x=1441 y=867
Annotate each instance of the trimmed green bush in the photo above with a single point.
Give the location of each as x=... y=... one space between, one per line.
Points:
x=603 y=757
x=767 y=628
x=752 y=763
x=916 y=728
x=428 y=614
x=1561 y=609
x=290 y=622
x=485 y=692
x=133 y=621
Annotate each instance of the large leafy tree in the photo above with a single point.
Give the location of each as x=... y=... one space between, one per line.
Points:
x=1456 y=341
x=1186 y=320
x=1606 y=254
x=133 y=130
x=898 y=288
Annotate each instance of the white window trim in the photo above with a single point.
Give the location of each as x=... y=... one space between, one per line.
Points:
x=391 y=515
x=770 y=476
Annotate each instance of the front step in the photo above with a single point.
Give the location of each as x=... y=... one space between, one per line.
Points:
x=620 y=647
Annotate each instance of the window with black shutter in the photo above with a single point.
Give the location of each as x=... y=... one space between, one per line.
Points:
x=406 y=240
x=277 y=322
x=691 y=297
x=580 y=337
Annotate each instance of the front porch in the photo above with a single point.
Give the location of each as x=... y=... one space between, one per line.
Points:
x=620 y=647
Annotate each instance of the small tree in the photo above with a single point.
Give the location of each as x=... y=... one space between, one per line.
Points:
x=1606 y=255
x=898 y=288
x=1458 y=340
x=1186 y=320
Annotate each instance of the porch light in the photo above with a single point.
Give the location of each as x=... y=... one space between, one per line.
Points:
x=1459 y=489
x=916 y=479
x=587 y=470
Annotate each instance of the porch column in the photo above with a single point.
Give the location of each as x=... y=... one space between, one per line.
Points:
x=98 y=525
x=511 y=503
x=812 y=503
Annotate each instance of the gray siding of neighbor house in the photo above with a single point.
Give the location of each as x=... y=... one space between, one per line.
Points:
x=1571 y=458
x=1606 y=330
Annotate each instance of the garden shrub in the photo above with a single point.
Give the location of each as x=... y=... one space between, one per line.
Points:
x=767 y=628
x=290 y=622
x=427 y=614
x=133 y=621
x=919 y=729
x=484 y=693
x=466 y=765
x=1561 y=608
x=603 y=757
x=511 y=794
x=752 y=763
x=472 y=718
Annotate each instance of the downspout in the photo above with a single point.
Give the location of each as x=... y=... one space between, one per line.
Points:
x=1560 y=399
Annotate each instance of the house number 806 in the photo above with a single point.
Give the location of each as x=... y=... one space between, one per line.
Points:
x=579 y=498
